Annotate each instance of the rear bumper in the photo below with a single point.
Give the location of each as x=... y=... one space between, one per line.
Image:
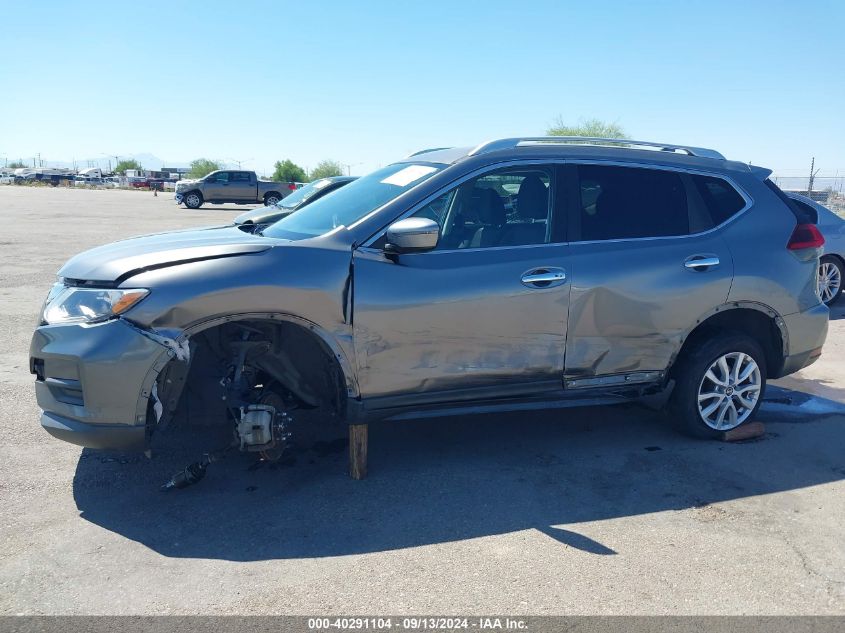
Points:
x=807 y=332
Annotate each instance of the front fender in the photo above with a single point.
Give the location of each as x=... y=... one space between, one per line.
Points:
x=306 y=286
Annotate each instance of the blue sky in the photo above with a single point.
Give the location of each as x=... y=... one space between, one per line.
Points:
x=368 y=82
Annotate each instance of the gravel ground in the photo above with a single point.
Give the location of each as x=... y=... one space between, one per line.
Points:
x=605 y=512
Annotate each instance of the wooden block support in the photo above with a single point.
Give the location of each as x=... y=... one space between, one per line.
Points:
x=745 y=432
x=358 y=451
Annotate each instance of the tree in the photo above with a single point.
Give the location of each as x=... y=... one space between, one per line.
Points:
x=123 y=165
x=16 y=164
x=587 y=127
x=326 y=169
x=288 y=171
x=202 y=167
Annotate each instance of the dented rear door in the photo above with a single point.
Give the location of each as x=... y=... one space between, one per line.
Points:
x=636 y=288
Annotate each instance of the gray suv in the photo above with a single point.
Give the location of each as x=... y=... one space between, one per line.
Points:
x=519 y=274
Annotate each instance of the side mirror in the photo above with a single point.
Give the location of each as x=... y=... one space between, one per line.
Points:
x=412 y=235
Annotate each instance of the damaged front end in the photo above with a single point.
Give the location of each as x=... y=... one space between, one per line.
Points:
x=268 y=384
x=265 y=383
x=144 y=335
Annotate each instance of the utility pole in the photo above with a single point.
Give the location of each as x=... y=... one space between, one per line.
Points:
x=812 y=177
x=239 y=162
x=349 y=167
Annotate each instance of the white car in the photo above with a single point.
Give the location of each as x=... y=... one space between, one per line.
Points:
x=7 y=179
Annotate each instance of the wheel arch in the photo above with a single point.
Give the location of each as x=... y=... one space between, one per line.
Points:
x=171 y=352
x=757 y=320
x=327 y=340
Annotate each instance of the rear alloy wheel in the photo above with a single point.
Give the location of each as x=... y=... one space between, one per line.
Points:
x=729 y=391
x=271 y=199
x=193 y=200
x=830 y=279
x=719 y=385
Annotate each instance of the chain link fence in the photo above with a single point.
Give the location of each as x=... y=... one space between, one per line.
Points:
x=827 y=187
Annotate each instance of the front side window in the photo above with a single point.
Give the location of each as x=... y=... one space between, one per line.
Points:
x=631 y=202
x=220 y=176
x=508 y=207
x=352 y=202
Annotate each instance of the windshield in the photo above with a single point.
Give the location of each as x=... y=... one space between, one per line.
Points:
x=351 y=202
x=303 y=193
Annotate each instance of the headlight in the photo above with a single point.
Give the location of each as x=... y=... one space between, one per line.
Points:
x=88 y=305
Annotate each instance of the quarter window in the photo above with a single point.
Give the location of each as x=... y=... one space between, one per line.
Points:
x=720 y=198
x=503 y=208
x=631 y=202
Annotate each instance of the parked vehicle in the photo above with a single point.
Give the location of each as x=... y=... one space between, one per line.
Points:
x=259 y=219
x=519 y=274
x=88 y=181
x=7 y=179
x=832 y=262
x=229 y=186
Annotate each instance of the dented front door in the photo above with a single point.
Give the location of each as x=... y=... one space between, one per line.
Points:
x=449 y=325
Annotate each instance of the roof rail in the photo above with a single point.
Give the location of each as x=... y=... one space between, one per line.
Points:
x=510 y=143
x=426 y=151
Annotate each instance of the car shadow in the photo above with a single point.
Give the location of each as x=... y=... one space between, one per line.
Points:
x=837 y=310
x=436 y=481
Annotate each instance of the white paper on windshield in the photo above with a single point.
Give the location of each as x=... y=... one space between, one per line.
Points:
x=322 y=183
x=405 y=177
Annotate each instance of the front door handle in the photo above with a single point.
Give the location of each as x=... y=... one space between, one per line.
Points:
x=546 y=277
x=701 y=262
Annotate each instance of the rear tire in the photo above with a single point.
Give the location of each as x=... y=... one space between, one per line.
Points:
x=719 y=385
x=830 y=279
x=272 y=198
x=193 y=200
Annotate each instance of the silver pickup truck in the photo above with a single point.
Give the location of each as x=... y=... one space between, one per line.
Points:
x=233 y=187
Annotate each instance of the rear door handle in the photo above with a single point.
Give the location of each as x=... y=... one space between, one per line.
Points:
x=701 y=262
x=545 y=277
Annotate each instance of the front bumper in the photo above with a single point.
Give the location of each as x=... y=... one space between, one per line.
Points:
x=116 y=437
x=94 y=382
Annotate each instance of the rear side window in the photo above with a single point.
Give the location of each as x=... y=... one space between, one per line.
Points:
x=719 y=196
x=631 y=202
x=806 y=208
x=240 y=176
x=801 y=216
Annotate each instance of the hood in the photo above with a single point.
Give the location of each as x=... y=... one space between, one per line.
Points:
x=117 y=261
x=264 y=215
